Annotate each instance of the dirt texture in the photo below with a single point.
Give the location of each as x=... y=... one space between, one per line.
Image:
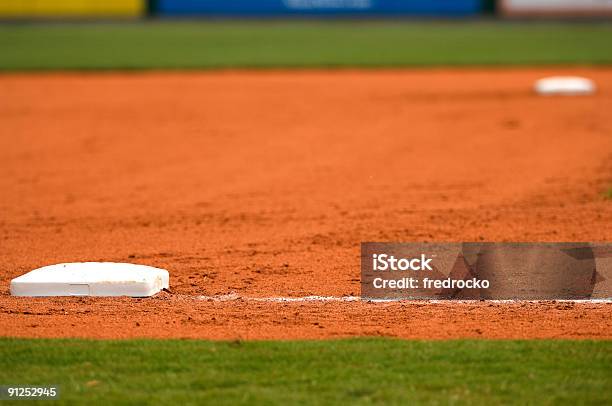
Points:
x=264 y=184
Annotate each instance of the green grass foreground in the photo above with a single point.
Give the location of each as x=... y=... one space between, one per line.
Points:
x=320 y=372
x=299 y=44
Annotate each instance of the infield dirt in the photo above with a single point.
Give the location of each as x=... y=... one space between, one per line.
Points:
x=263 y=184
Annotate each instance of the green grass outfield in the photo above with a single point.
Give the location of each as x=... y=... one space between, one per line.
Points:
x=299 y=44
x=536 y=372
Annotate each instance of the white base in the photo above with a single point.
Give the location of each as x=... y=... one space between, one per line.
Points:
x=91 y=279
x=564 y=85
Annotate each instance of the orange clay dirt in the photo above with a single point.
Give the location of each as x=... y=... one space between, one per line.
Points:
x=263 y=184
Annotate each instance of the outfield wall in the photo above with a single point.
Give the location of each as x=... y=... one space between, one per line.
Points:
x=71 y=8
x=552 y=8
x=318 y=7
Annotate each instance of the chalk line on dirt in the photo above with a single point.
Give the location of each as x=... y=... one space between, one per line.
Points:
x=315 y=298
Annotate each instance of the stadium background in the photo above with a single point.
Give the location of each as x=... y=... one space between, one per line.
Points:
x=24 y=9
x=474 y=361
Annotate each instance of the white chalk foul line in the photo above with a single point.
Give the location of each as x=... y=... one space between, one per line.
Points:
x=235 y=296
x=314 y=298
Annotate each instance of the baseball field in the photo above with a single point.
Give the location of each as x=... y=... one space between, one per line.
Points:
x=251 y=159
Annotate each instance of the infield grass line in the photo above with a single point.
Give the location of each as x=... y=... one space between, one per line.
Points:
x=361 y=371
x=299 y=44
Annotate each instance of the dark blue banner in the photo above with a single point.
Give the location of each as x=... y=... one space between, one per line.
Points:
x=264 y=8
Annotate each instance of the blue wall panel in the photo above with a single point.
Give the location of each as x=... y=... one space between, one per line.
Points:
x=318 y=7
